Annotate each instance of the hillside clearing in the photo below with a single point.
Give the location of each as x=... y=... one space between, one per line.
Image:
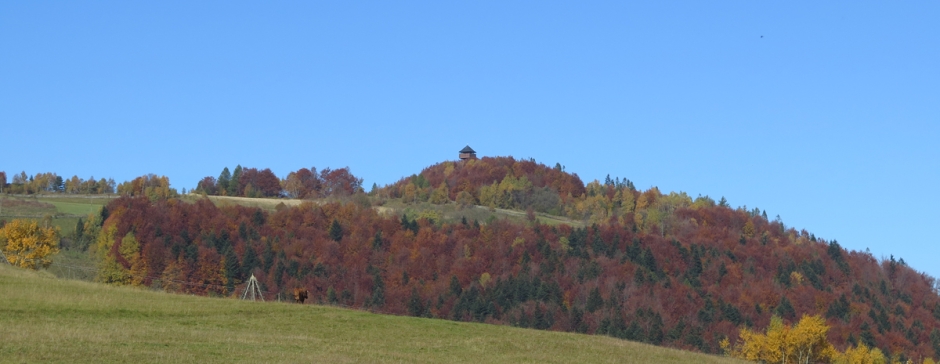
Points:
x=448 y=212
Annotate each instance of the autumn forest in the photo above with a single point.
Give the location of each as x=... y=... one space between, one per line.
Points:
x=649 y=266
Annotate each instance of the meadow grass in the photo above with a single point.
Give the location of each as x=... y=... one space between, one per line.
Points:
x=75 y=208
x=15 y=206
x=45 y=319
x=449 y=212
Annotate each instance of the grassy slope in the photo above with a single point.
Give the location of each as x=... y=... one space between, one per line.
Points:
x=450 y=211
x=65 y=209
x=44 y=319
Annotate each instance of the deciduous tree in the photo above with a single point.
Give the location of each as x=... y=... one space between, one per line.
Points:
x=28 y=245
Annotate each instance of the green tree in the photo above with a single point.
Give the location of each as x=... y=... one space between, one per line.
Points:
x=440 y=195
x=594 y=301
x=415 y=307
x=378 y=290
x=250 y=261
x=232 y=270
x=233 y=186
x=336 y=231
x=331 y=295
x=377 y=240
x=224 y=179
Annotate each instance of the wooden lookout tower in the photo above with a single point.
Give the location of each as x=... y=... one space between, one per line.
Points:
x=467 y=153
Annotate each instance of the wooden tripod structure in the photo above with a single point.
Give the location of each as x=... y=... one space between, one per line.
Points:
x=253 y=291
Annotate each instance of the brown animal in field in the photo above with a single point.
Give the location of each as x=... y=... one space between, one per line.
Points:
x=300 y=295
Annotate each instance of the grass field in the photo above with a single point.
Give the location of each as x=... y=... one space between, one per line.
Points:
x=75 y=208
x=448 y=212
x=65 y=210
x=13 y=206
x=45 y=319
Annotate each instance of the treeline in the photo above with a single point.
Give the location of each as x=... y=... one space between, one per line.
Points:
x=303 y=183
x=668 y=271
x=53 y=183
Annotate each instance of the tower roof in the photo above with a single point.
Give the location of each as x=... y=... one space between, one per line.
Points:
x=467 y=149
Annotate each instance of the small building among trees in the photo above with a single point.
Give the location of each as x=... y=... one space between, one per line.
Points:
x=467 y=153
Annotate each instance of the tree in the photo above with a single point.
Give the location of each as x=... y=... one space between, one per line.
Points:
x=257 y=183
x=208 y=185
x=860 y=355
x=153 y=186
x=465 y=199
x=339 y=182
x=224 y=179
x=594 y=301
x=803 y=343
x=336 y=231
x=440 y=195
x=377 y=240
x=250 y=261
x=232 y=269
x=234 y=186
x=27 y=245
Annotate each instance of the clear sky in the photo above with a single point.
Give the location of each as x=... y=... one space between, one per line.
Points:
x=825 y=113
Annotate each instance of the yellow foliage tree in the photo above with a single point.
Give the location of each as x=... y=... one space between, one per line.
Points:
x=860 y=355
x=802 y=344
x=440 y=195
x=748 y=230
x=27 y=245
x=109 y=269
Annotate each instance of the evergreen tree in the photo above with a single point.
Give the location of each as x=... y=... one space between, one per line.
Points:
x=377 y=240
x=656 y=335
x=250 y=261
x=79 y=234
x=336 y=231
x=594 y=301
x=268 y=256
x=331 y=295
x=378 y=290
x=224 y=179
x=543 y=319
x=415 y=306
x=785 y=309
x=233 y=185
x=455 y=288
x=232 y=270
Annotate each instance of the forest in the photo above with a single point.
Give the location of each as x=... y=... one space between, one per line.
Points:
x=665 y=269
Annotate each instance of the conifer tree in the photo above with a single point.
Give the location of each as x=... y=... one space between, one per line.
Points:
x=336 y=231
x=234 y=184
x=594 y=301
x=249 y=261
x=232 y=269
x=224 y=179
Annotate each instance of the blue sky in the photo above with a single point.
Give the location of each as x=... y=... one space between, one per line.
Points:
x=825 y=113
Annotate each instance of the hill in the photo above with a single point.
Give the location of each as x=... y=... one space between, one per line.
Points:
x=481 y=240
x=43 y=319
